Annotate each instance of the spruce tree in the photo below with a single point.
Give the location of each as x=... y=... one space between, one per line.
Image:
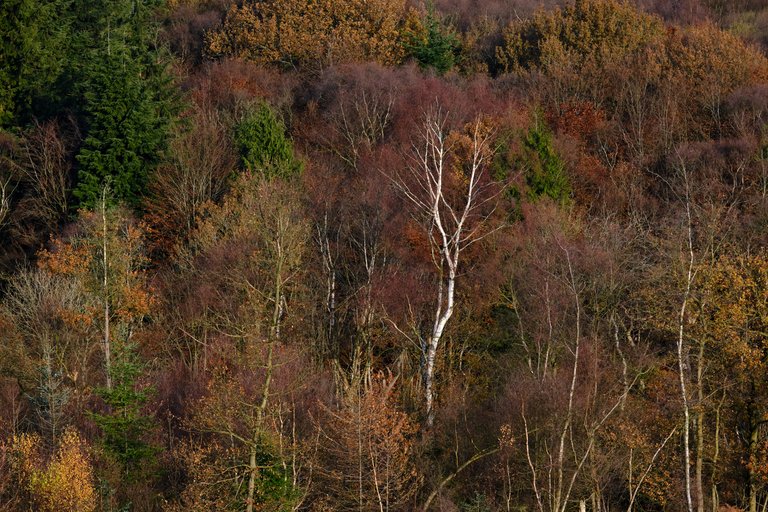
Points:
x=546 y=174
x=124 y=425
x=126 y=133
x=128 y=103
x=434 y=44
x=264 y=146
x=34 y=44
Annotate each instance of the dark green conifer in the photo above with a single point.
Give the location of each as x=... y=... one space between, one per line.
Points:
x=124 y=425
x=545 y=174
x=264 y=146
x=128 y=105
x=34 y=44
x=435 y=46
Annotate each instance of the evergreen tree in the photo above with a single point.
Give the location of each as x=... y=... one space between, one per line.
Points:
x=264 y=146
x=546 y=170
x=124 y=425
x=34 y=43
x=126 y=133
x=434 y=43
x=128 y=103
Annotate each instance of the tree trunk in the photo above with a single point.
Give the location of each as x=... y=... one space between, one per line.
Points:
x=716 y=456
x=274 y=335
x=253 y=469
x=681 y=362
x=107 y=344
x=441 y=319
x=753 y=485
x=700 y=430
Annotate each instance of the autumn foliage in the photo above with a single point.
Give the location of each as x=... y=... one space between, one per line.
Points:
x=385 y=255
x=63 y=481
x=310 y=33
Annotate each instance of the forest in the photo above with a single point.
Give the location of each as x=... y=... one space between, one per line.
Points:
x=384 y=255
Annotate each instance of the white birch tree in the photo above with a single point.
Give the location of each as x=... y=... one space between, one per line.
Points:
x=453 y=207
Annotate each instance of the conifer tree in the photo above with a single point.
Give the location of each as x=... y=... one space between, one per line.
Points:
x=433 y=44
x=34 y=41
x=264 y=146
x=127 y=102
x=126 y=133
x=124 y=425
x=546 y=170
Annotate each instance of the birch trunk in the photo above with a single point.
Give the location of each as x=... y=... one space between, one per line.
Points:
x=105 y=264
x=700 y=430
x=681 y=363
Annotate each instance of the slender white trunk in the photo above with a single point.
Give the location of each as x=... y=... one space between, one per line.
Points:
x=560 y=500
x=633 y=491
x=444 y=312
x=681 y=364
x=700 y=430
x=105 y=264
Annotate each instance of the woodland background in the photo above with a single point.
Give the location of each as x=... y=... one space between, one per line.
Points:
x=329 y=255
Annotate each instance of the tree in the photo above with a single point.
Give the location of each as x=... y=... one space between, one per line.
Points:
x=447 y=184
x=367 y=448
x=545 y=169
x=46 y=165
x=262 y=218
x=34 y=44
x=123 y=424
x=125 y=97
x=263 y=145
x=53 y=329
x=195 y=173
x=50 y=401
x=582 y=30
x=240 y=443
x=105 y=260
x=711 y=80
x=432 y=43
x=735 y=305
x=310 y=33
x=64 y=481
x=570 y=379
x=126 y=134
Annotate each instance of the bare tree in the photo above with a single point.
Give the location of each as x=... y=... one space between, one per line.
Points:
x=46 y=168
x=453 y=208
x=39 y=168
x=41 y=306
x=554 y=478
x=360 y=123
x=8 y=175
x=682 y=352
x=261 y=218
x=6 y=189
x=202 y=159
x=327 y=239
